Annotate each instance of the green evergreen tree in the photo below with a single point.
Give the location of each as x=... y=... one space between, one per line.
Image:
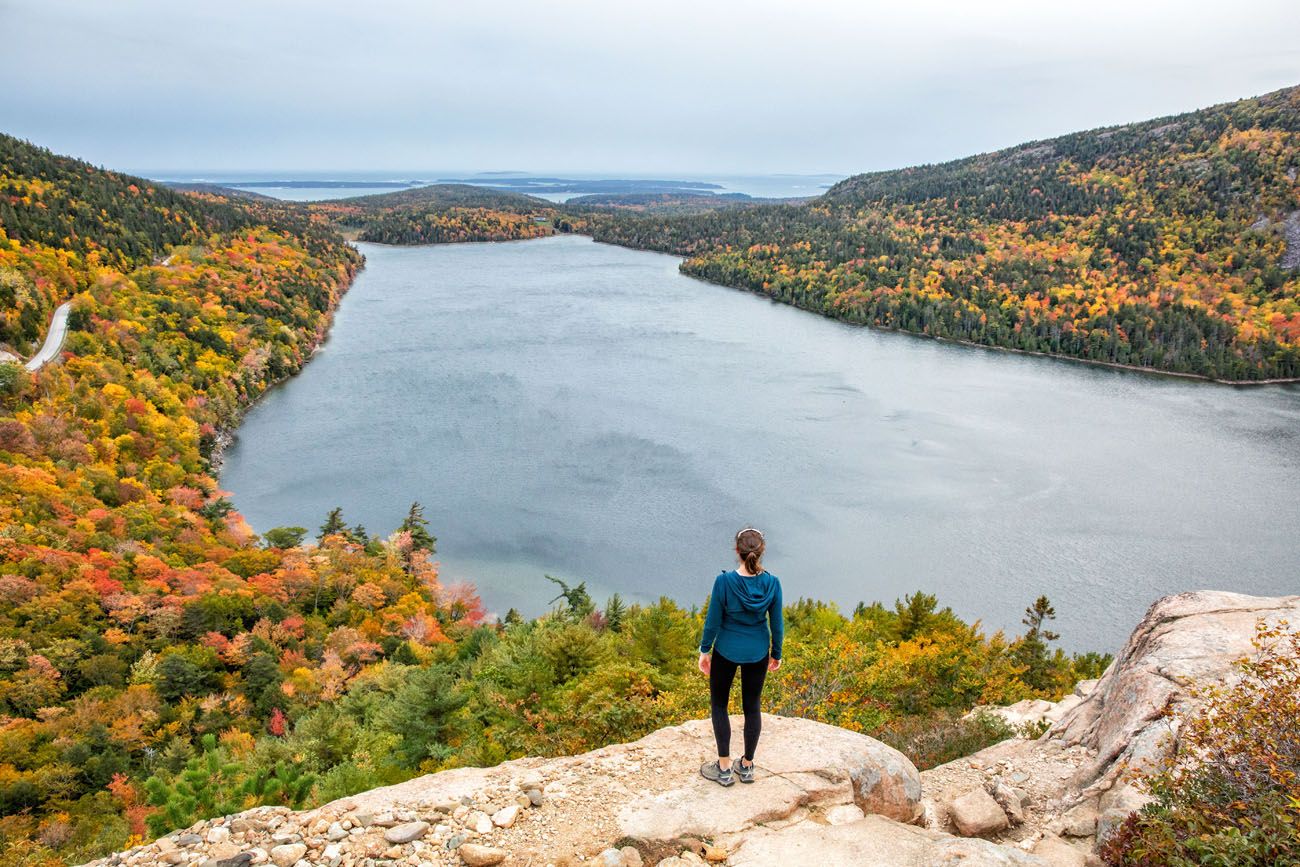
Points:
x=334 y=524
x=1032 y=649
x=577 y=598
x=615 y=613
x=421 y=712
x=417 y=526
x=915 y=614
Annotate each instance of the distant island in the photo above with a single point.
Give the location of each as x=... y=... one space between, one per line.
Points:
x=531 y=184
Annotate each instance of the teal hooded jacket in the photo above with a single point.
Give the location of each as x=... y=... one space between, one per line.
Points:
x=744 y=622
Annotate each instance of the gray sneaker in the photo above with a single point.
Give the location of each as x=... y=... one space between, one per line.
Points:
x=745 y=772
x=713 y=771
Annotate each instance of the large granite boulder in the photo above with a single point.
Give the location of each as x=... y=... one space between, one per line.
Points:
x=1187 y=640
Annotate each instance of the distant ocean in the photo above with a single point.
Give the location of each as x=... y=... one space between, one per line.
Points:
x=315 y=186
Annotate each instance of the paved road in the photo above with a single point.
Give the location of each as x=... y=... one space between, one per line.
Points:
x=53 y=340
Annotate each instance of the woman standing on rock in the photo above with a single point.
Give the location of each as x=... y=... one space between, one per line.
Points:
x=743 y=629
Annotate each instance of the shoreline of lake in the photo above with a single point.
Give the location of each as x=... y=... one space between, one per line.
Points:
x=480 y=391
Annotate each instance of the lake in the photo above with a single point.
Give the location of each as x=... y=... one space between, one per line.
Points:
x=570 y=408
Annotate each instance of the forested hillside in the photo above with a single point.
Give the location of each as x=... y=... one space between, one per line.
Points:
x=441 y=214
x=1161 y=244
x=160 y=662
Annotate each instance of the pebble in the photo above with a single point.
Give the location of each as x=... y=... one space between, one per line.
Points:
x=506 y=817
x=406 y=833
x=535 y=797
x=287 y=854
x=480 y=822
x=218 y=834
x=481 y=856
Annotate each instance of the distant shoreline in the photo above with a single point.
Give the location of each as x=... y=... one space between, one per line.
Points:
x=1137 y=368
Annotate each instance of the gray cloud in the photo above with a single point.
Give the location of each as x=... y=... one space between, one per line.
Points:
x=676 y=85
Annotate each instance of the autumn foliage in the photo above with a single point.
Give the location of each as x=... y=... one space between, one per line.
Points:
x=1231 y=793
x=1161 y=245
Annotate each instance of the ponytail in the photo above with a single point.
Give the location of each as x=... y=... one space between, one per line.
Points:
x=749 y=547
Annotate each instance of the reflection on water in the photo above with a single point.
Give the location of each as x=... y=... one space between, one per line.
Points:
x=567 y=407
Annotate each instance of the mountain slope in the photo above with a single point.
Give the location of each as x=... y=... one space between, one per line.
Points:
x=1161 y=244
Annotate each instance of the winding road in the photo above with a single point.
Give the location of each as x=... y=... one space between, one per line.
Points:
x=53 y=340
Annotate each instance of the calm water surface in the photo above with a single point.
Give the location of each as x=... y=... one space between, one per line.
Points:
x=582 y=410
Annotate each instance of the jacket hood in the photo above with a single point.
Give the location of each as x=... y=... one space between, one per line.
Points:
x=750 y=592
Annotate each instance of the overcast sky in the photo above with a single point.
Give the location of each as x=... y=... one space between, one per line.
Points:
x=611 y=86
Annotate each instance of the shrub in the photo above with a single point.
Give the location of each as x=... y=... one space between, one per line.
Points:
x=1230 y=795
x=945 y=735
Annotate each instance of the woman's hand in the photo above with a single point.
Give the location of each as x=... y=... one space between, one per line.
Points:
x=773 y=664
x=706 y=661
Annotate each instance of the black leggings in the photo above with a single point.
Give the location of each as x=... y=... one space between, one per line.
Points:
x=722 y=673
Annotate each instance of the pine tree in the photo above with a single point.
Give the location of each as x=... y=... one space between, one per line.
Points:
x=1032 y=650
x=334 y=524
x=577 y=598
x=416 y=525
x=615 y=612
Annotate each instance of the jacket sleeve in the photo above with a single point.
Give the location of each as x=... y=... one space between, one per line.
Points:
x=713 y=620
x=776 y=621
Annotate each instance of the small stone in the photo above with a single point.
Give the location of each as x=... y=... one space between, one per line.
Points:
x=165 y=844
x=454 y=841
x=523 y=800
x=976 y=814
x=535 y=797
x=506 y=817
x=188 y=840
x=243 y=859
x=631 y=857
x=218 y=834
x=363 y=820
x=460 y=813
x=716 y=854
x=287 y=854
x=1008 y=801
x=481 y=856
x=610 y=858
x=222 y=851
x=406 y=833
x=480 y=822
x=240 y=826
x=393 y=852
x=336 y=832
